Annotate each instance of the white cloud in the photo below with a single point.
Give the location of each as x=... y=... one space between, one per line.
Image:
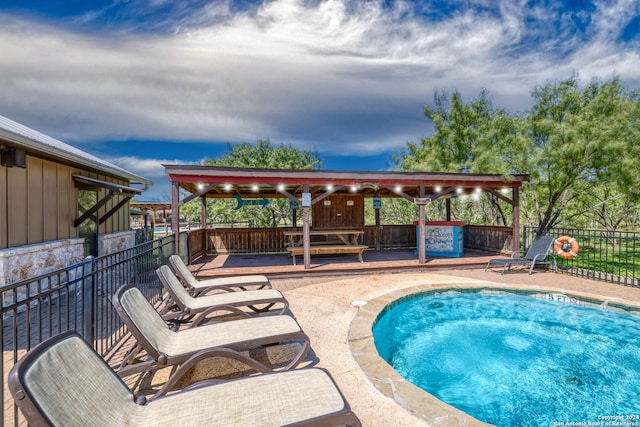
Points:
x=152 y=170
x=345 y=77
x=148 y=168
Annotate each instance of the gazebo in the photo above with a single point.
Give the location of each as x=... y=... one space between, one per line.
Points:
x=311 y=189
x=154 y=207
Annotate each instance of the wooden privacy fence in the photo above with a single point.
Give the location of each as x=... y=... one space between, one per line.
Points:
x=272 y=240
x=489 y=238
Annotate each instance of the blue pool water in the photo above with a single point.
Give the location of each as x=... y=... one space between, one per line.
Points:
x=514 y=360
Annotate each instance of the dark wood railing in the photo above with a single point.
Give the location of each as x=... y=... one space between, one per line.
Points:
x=273 y=240
x=489 y=238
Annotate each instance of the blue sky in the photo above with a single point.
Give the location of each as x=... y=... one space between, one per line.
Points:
x=146 y=82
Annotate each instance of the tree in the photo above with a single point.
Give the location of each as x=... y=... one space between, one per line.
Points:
x=264 y=155
x=470 y=137
x=605 y=207
x=573 y=141
x=579 y=138
x=261 y=155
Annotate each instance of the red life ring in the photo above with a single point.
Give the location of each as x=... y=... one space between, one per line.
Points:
x=566 y=247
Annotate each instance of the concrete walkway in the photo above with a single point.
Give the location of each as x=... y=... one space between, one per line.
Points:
x=323 y=307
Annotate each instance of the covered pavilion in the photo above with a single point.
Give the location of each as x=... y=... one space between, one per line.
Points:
x=154 y=207
x=306 y=189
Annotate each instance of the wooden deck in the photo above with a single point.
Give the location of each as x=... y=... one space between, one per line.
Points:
x=279 y=265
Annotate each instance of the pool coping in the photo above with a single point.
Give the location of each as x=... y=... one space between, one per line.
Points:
x=413 y=399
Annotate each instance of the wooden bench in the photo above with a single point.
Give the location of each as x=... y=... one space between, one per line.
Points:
x=329 y=249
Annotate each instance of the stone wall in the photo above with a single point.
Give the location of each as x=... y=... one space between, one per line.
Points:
x=23 y=262
x=114 y=242
x=27 y=261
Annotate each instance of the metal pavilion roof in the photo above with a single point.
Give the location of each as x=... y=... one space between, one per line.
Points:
x=311 y=186
x=226 y=182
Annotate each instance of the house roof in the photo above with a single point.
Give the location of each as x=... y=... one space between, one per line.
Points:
x=221 y=182
x=34 y=142
x=111 y=186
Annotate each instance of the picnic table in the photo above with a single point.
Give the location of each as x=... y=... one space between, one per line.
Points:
x=345 y=241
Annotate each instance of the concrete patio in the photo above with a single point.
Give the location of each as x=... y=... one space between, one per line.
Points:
x=321 y=301
x=322 y=306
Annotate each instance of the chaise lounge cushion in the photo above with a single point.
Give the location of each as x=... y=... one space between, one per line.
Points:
x=234 y=283
x=191 y=305
x=63 y=382
x=161 y=346
x=536 y=255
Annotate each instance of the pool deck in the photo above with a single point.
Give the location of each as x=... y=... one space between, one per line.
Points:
x=280 y=265
x=338 y=331
x=321 y=299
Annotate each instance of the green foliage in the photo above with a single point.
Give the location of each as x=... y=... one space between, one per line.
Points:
x=473 y=138
x=579 y=139
x=605 y=207
x=396 y=211
x=579 y=146
x=265 y=155
x=261 y=155
x=469 y=137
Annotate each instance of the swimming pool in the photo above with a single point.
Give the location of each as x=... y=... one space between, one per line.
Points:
x=517 y=360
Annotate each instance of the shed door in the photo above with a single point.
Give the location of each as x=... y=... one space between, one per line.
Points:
x=339 y=211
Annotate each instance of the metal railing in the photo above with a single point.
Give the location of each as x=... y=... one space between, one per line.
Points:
x=611 y=256
x=75 y=298
x=78 y=297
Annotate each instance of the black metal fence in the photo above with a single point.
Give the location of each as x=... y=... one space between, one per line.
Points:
x=75 y=298
x=78 y=297
x=612 y=256
x=143 y=235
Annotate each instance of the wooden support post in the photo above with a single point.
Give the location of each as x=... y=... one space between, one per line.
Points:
x=516 y=221
x=175 y=216
x=203 y=222
x=376 y=234
x=422 y=250
x=305 y=227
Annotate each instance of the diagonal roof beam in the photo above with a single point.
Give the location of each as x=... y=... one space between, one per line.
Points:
x=398 y=192
x=199 y=193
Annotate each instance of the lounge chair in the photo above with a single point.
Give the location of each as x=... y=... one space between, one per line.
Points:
x=64 y=382
x=536 y=255
x=197 y=287
x=158 y=346
x=182 y=306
